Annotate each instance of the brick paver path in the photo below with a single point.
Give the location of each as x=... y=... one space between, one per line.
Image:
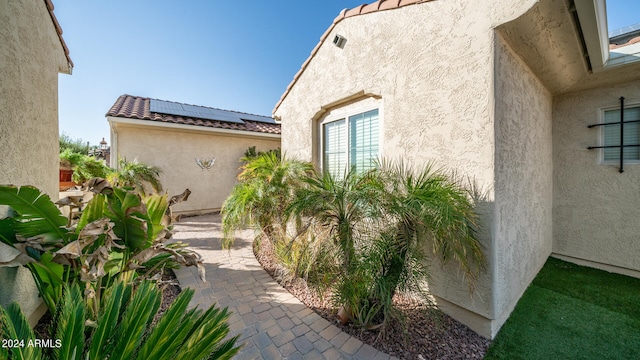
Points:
x=273 y=323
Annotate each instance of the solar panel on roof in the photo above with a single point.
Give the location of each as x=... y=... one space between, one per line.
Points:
x=259 y=118
x=624 y=30
x=173 y=108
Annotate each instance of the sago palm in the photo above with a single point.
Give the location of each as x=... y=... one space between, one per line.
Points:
x=123 y=330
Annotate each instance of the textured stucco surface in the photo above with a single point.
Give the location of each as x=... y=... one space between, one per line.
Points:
x=523 y=178
x=434 y=83
x=595 y=208
x=18 y=286
x=174 y=152
x=545 y=37
x=31 y=56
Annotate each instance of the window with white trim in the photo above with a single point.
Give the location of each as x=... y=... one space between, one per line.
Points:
x=611 y=135
x=351 y=141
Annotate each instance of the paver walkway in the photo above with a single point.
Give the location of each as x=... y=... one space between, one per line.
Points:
x=273 y=323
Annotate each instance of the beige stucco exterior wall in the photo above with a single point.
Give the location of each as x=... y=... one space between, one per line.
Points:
x=31 y=56
x=523 y=178
x=430 y=67
x=174 y=152
x=595 y=207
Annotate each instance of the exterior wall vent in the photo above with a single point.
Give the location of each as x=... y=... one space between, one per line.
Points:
x=339 y=41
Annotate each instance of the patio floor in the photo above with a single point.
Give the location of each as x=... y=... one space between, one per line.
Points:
x=273 y=323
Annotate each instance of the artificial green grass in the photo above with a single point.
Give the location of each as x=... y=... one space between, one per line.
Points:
x=573 y=312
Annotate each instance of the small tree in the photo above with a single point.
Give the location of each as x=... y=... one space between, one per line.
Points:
x=74 y=145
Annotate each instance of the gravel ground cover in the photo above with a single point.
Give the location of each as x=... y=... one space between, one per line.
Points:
x=431 y=335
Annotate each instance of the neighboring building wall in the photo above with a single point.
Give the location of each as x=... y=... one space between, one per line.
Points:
x=174 y=152
x=595 y=208
x=31 y=55
x=433 y=81
x=524 y=178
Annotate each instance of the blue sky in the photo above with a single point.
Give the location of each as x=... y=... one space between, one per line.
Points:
x=233 y=54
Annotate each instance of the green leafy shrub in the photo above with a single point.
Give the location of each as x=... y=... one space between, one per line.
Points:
x=143 y=178
x=251 y=153
x=120 y=236
x=123 y=329
x=90 y=168
x=366 y=235
x=70 y=159
x=265 y=188
x=74 y=145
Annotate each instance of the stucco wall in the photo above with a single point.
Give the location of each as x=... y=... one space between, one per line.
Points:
x=174 y=152
x=595 y=207
x=430 y=66
x=30 y=57
x=523 y=178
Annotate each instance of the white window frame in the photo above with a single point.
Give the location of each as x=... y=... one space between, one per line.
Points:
x=601 y=112
x=343 y=113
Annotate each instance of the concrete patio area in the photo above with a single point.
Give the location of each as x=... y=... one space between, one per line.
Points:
x=273 y=323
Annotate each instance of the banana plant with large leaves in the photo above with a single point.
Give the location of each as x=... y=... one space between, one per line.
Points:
x=118 y=233
x=123 y=328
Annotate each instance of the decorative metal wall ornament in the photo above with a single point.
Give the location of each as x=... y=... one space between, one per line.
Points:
x=204 y=163
x=622 y=144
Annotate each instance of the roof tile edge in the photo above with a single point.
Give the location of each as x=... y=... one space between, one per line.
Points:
x=632 y=41
x=50 y=7
x=137 y=107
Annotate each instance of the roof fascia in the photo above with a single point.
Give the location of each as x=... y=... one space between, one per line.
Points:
x=593 y=24
x=113 y=120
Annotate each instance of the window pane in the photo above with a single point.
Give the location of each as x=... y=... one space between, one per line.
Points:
x=631 y=134
x=363 y=140
x=335 y=148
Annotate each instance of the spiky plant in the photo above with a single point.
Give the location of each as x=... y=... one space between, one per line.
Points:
x=123 y=330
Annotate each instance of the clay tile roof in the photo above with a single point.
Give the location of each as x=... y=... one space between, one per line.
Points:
x=635 y=40
x=135 y=107
x=59 y=31
x=379 y=5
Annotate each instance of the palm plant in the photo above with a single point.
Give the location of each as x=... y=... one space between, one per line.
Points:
x=428 y=214
x=123 y=329
x=383 y=221
x=432 y=210
x=345 y=211
x=266 y=186
x=136 y=175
